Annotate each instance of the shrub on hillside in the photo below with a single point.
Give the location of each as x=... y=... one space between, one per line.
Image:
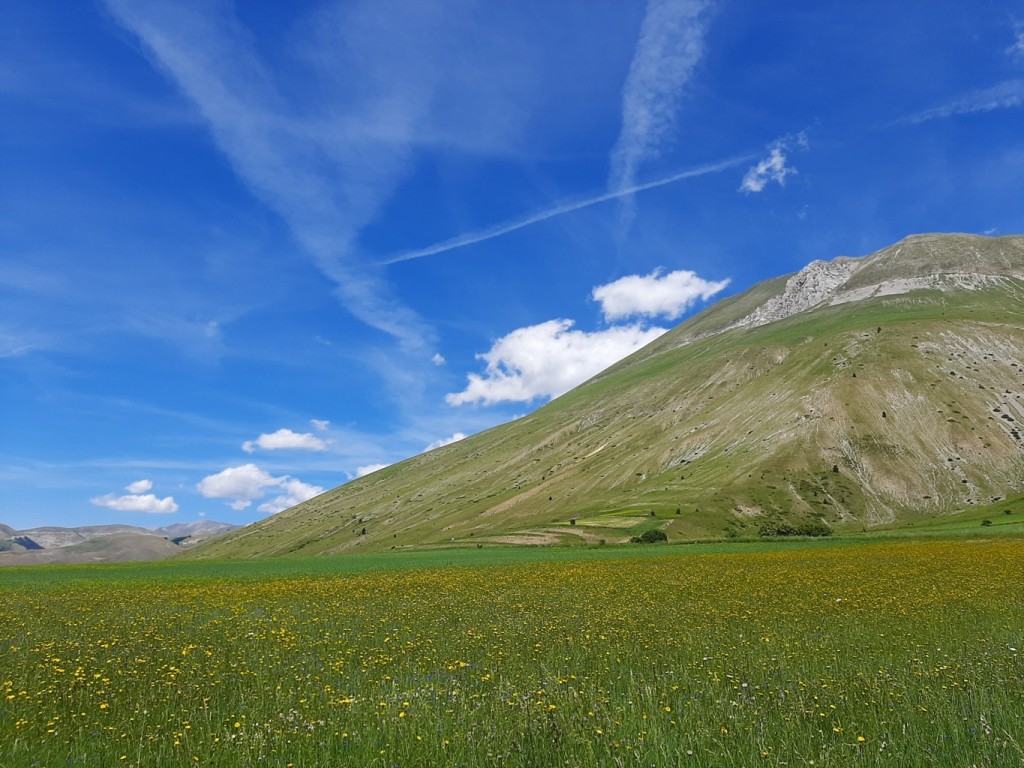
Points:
x=650 y=537
x=801 y=529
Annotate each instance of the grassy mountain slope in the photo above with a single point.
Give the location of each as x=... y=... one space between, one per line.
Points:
x=861 y=393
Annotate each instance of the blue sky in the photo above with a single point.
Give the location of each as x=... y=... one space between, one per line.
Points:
x=251 y=251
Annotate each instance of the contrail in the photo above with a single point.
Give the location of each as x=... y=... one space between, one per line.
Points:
x=469 y=238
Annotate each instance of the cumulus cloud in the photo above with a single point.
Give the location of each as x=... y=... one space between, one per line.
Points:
x=547 y=360
x=438 y=359
x=286 y=439
x=247 y=483
x=655 y=294
x=446 y=441
x=139 y=486
x=137 y=500
x=293 y=492
x=670 y=46
x=243 y=484
x=320 y=425
x=369 y=469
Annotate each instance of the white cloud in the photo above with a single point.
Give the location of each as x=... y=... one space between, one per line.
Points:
x=139 y=486
x=243 y=484
x=655 y=294
x=15 y=342
x=137 y=502
x=438 y=359
x=285 y=439
x=772 y=168
x=326 y=166
x=320 y=425
x=246 y=483
x=1006 y=95
x=547 y=360
x=1017 y=49
x=295 y=492
x=446 y=441
x=369 y=469
x=670 y=46
x=381 y=80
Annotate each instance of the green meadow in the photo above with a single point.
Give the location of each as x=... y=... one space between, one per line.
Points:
x=899 y=652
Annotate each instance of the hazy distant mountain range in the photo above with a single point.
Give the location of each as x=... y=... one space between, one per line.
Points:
x=102 y=543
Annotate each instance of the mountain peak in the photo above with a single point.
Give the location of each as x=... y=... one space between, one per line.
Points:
x=891 y=394
x=927 y=261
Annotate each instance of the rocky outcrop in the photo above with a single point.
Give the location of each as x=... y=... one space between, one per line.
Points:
x=815 y=284
x=918 y=262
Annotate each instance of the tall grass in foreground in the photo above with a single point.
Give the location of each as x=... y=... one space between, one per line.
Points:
x=894 y=654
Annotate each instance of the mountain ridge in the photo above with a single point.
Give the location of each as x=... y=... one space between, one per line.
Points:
x=876 y=391
x=820 y=281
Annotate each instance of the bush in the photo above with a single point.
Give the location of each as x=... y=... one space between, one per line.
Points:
x=802 y=529
x=650 y=537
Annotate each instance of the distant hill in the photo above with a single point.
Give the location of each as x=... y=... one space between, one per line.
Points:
x=102 y=543
x=858 y=393
x=195 y=530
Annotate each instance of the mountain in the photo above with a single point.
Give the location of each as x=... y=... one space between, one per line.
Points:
x=102 y=543
x=111 y=548
x=858 y=393
x=195 y=530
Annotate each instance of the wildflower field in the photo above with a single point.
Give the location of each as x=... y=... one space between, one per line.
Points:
x=900 y=653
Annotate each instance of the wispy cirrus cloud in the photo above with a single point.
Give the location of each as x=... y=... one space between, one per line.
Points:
x=325 y=165
x=1008 y=94
x=1016 y=49
x=670 y=46
x=15 y=342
